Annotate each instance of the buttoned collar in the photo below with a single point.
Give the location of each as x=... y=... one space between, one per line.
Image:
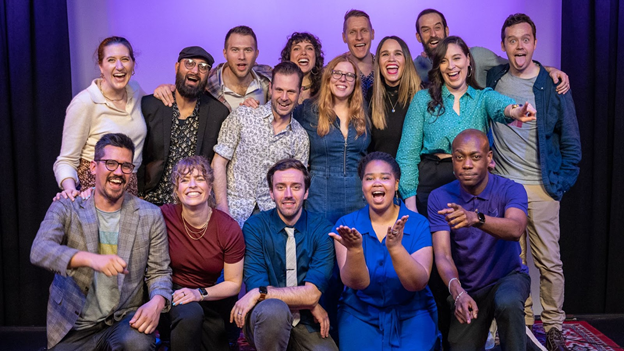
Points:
x=470 y=92
x=278 y=226
x=484 y=195
x=365 y=225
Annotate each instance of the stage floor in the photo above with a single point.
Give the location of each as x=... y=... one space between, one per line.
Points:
x=33 y=338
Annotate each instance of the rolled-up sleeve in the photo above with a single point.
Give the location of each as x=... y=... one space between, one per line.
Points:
x=229 y=136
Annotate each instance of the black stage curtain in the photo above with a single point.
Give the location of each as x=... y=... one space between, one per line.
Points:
x=35 y=89
x=592 y=218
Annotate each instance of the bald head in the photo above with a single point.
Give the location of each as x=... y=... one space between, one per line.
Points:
x=475 y=134
x=471 y=158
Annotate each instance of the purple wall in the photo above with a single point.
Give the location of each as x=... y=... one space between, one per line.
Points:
x=159 y=29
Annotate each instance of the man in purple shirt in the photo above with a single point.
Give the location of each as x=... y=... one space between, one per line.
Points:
x=476 y=223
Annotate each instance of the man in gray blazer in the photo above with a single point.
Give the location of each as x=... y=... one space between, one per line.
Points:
x=108 y=253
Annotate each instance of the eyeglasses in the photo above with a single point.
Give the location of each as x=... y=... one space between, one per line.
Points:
x=112 y=166
x=337 y=75
x=190 y=64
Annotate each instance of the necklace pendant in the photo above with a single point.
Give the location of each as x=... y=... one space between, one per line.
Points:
x=392 y=110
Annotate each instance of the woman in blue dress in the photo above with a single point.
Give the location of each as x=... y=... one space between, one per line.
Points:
x=339 y=135
x=384 y=254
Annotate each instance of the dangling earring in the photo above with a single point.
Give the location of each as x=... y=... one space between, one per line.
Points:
x=469 y=71
x=101 y=75
x=133 y=72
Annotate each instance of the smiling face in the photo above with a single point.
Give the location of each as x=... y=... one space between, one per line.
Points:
x=284 y=89
x=454 y=68
x=288 y=192
x=471 y=157
x=391 y=62
x=240 y=54
x=342 y=88
x=358 y=35
x=116 y=66
x=193 y=189
x=110 y=185
x=431 y=31
x=379 y=185
x=304 y=55
x=519 y=44
x=190 y=83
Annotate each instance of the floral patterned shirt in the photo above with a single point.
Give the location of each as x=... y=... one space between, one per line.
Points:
x=183 y=144
x=248 y=141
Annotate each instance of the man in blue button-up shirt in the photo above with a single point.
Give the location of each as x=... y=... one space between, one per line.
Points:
x=270 y=309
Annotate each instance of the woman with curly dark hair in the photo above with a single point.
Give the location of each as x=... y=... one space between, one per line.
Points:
x=453 y=103
x=304 y=49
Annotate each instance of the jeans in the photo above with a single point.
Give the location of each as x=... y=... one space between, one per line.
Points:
x=503 y=301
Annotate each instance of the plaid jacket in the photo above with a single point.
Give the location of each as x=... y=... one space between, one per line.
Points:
x=69 y=227
x=213 y=86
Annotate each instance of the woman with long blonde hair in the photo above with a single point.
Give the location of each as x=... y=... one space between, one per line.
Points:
x=339 y=134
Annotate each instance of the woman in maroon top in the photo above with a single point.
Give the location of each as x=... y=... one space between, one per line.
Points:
x=203 y=242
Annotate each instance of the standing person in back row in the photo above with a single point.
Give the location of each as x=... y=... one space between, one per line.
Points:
x=189 y=127
x=239 y=78
x=252 y=140
x=543 y=156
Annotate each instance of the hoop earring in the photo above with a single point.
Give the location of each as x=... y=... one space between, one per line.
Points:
x=469 y=71
x=101 y=75
x=133 y=72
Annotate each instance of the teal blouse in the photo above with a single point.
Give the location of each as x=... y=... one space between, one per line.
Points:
x=424 y=133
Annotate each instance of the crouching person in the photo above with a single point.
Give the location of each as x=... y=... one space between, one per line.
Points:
x=288 y=262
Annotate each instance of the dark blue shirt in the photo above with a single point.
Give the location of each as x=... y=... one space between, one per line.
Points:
x=480 y=258
x=265 y=256
x=385 y=302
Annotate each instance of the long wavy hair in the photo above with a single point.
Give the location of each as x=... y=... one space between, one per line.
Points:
x=409 y=84
x=325 y=100
x=319 y=56
x=436 y=105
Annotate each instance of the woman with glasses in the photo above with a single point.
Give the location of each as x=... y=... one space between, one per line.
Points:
x=339 y=135
x=203 y=242
x=111 y=104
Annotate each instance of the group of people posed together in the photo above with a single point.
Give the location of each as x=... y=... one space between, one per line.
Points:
x=329 y=190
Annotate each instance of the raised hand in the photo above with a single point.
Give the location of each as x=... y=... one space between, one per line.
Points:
x=348 y=237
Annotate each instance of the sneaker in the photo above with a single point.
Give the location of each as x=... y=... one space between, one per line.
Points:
x=555 y=340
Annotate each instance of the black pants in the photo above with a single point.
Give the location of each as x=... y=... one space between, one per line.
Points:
x=434 y=173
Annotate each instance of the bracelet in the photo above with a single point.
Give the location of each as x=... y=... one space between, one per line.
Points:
x=460 y=294
x=450 y=281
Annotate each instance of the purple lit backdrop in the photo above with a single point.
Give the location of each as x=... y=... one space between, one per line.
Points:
x=159 y=29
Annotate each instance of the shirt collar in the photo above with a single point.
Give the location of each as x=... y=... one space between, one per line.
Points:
x=485 y=194
x=470 y=92
x=278 y=225
x=365 y=226
x=256 y=78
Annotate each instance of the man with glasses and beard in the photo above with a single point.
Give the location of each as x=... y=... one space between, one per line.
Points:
x=189 y=127
x=110 y=256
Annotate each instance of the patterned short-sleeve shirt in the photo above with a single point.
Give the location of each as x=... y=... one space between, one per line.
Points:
x=247 y=140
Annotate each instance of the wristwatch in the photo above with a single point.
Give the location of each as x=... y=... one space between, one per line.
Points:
x=203 y=293
x=263 y=293
x=481 y=217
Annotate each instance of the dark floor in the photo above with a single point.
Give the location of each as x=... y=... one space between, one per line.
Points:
x=33 y=338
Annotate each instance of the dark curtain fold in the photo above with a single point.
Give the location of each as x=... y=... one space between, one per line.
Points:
x=592 y=218
x=35 y=89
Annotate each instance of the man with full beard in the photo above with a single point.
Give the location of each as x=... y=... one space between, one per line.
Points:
x=189 y=127
x=110 y=257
